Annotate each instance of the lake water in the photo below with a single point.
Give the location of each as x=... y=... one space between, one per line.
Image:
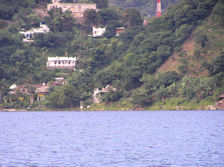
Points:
x=112 y=139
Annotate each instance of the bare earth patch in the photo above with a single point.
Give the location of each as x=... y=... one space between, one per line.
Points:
x=173 y=61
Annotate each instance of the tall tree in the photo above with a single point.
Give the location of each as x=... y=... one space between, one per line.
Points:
x=101 y=3
x=132 y=17
x=90 y=17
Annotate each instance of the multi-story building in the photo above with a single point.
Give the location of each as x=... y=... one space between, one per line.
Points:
x=61 y=63
x=77 y=9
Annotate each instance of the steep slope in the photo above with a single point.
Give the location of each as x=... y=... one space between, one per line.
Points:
x=195 y=52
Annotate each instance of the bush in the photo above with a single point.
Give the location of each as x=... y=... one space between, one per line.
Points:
x=201 y=40
x=183 y=69
x=3 y=24
x=111 y=96
x=217 y=64
x=140 y=97
x=64 y=97
x=168 y=78
x=197 y=54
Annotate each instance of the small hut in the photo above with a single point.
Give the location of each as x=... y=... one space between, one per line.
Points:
x=119 y=30
x=42 y=92
x=221 y=98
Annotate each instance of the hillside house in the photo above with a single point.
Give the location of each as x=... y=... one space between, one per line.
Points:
x=35 y=92
x=59 y=81
x=98 y=32
x=61 y=63
x=13 y=89
x=77 y=9
x=119 y=30
x=28 y=35
x=24 y=90
x=221 y=97
x=42 y=92
x=219 y=105
x=98 y=91
x=146 y=22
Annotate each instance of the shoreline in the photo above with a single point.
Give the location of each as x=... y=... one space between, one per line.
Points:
x=76 y=110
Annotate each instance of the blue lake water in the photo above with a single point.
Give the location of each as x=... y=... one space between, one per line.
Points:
x=112 y=139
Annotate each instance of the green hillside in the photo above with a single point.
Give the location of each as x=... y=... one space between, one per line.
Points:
x=175 y=62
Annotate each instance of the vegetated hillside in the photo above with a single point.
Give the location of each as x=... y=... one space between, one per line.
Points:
x=150 y=48
x=147 y=7
x=25 y=63
x=128 y=62
x=206 y=41
x=201 y=59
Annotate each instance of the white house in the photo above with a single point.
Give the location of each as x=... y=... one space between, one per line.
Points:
x=42 y=92
x=12 y=87
x=28 y=35
x=77 y=9
x=61 y=62
x=98 y=32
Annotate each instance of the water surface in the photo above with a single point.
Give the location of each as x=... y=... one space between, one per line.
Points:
x=112 y=139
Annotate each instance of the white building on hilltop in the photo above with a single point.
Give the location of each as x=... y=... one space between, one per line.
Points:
x=28 y=35
x=77 y=9
x=61 y=62
x=98 y=32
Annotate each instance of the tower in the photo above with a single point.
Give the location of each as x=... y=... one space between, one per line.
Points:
x=158 y=11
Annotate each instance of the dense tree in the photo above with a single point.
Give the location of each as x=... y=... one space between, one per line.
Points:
x=140 y=97
x=67 y=1
x=168 y=78
x=219 y=12
x=60 y=21
x=217 y=64
x=107 y=15
x=82 y=81
x=3 y=24
x=201 y=40
x=42 y=1
x=101 y=3
x=132 y=17
x=9 y=8
x=26 y=19
x=64 y=97
x=91 y=18
x=111 y=96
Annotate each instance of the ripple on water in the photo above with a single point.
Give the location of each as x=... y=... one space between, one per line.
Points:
x=101 y=139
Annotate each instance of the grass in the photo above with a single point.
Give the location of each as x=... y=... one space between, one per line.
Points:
x=122 y=105
x=178 y=103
